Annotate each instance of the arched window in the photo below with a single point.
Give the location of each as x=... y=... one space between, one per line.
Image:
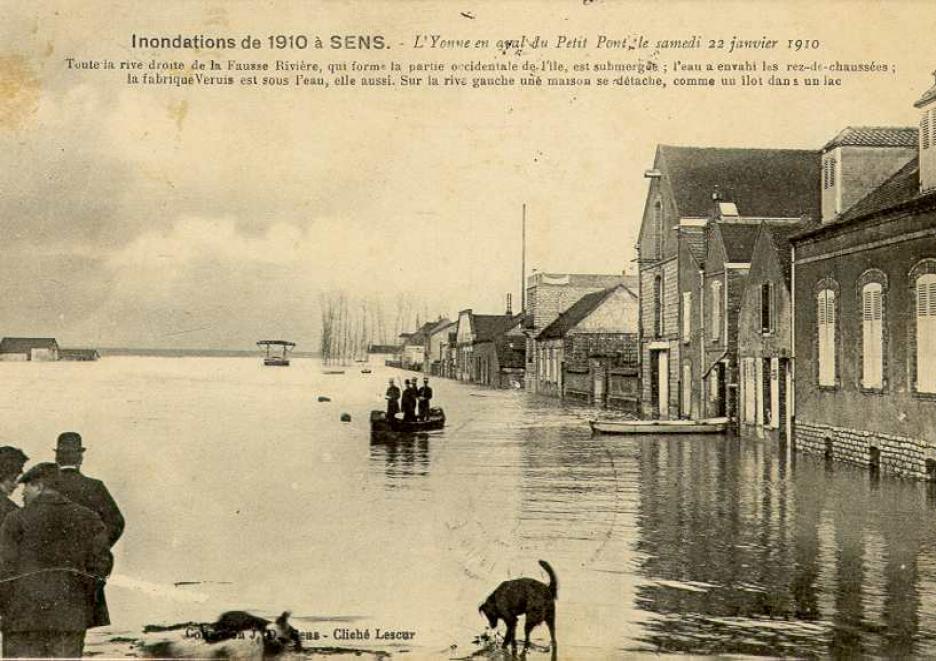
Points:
x=658 y=228
x=872 y=364
x=926 y=332
x=658 y=305
x=826 y=316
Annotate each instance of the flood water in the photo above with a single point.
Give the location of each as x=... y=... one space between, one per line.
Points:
x=242 y=491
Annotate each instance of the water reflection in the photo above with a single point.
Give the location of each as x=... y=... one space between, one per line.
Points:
x=745 y=556
x=403 y=456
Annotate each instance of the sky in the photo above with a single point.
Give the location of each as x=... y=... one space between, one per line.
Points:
x=213 y=217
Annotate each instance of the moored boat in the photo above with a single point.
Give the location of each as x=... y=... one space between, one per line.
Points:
x=271 y=359
x=705 y=426
x=381 y=425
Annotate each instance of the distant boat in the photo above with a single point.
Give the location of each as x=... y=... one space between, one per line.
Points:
x=277 y=352
x=365 y=371
x=706 y=426
x=380 y=424
x=332 y=371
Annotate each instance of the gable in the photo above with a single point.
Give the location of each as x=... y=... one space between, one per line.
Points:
x=617 y=313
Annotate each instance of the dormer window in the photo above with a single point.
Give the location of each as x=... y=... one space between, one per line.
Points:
x=925 y=130
x=828 y=173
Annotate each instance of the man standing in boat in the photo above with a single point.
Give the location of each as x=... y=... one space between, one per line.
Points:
x=409 y=402
x=393 y=400
x=425 y=398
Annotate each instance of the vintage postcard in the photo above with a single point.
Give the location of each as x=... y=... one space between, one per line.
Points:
x=421 y=329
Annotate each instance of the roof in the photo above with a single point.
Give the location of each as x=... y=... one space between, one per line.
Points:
x=903 y=187
x=695 y=240
x=571 y=318
x=764 y=183
x=738 y=239
x=779 y=237
x=874 y=136
x=26 y=344
x=928 y=96
x=488 y=326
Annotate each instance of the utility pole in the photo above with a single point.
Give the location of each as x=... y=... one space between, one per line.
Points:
x=523 y=263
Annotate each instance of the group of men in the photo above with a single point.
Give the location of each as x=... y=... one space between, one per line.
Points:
x=413 y=401
x=55 y=552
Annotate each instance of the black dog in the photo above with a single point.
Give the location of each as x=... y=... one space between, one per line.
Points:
x=524 y=596
x=276 y=636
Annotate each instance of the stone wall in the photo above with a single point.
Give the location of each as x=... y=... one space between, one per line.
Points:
x=899 y=455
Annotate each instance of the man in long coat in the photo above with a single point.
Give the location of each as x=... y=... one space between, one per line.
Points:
x=393 y=400
x=425 y=400
x=12 y=461
x=90 y=493
x=53 y=552
x=408 y=403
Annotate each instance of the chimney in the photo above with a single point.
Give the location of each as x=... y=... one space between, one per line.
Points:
x=927 y=138
x=509 y=306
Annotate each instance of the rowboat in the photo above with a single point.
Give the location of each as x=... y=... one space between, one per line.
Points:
x=705 y=426
x=381 y=425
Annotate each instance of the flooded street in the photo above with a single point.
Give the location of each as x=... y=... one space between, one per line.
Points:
x=242 y=491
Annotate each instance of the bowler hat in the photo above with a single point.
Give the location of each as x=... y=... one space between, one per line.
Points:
x=69 y=441
x=11 y=462
x=47 y=471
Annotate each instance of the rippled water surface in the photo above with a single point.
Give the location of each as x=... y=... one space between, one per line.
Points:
x=242 y=491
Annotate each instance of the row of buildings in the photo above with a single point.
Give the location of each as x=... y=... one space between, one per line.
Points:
x=41 y=349
x=793 y=291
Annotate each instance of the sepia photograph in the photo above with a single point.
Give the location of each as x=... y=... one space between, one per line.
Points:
x=532 y=329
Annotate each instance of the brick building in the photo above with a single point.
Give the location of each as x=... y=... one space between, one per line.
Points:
x=585 y=343
x=490 y=349
x=765 y=350
x=548 y=295
x=864 y=286
x=690 y=187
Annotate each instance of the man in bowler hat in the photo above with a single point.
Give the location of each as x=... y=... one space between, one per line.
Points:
x=12 y=461
x=53 y=553
x=90 y=493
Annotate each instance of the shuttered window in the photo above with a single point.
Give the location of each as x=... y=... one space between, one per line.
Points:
x=766 y=308
x=873 y=336
x=925 y=130
x=716 y=309
x=826 y=336
x=686 y=314
x=926 y=332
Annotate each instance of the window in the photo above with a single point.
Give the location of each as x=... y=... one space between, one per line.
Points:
x=873 y=336
x=826 y=336
x=658 y=306
x=926 y=332
x=716 y=309
x=748 y=379
x=831 y=173
x=658 y=228
x=766 y=293
x=686 y=315
x=924 y=130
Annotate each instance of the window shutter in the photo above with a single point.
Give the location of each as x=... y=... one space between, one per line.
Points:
x=872 y=336
x=826 y=337
x=926 y=333
x=924 y=130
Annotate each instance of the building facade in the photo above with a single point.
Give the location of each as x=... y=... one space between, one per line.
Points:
x=690 y=187
x=39 y=349
x=548 y=295
x=582 y=346
x=864 y=286
x=765 y=351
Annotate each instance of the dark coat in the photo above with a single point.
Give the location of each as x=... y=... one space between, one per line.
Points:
x=92 y=493
x=6 y=507
x=51 y=532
